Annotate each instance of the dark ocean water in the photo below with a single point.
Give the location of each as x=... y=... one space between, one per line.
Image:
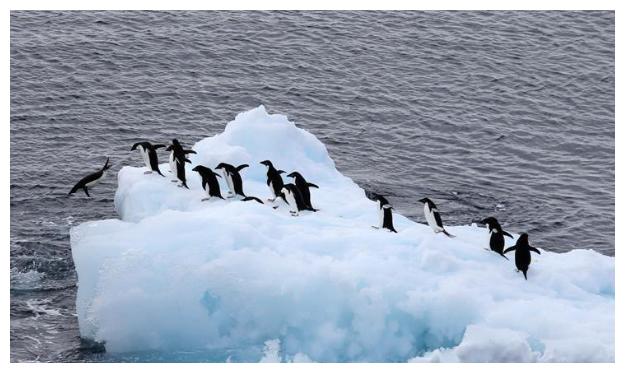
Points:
x=508 y=114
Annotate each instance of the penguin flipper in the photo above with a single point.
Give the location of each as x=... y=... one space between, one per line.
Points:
x=242 y=167
x=506 y=234
x=511 y=248
x=311 y=185
x=534 y=250
x=505 y=257
x=190 y=152
x=187 y=160
x=86 y=190
x=157 y=146
x=249 y=198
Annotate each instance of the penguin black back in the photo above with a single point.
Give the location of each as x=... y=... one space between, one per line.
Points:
x=386 y=213
x=209 y=181
x=522 y=255
x=274 y=180
x=304 y=188
x=497 y=241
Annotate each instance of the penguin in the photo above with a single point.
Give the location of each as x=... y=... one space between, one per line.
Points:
x=522 y=256
x=176 y=151
x=274 y=180
x=148 y=151
x=385 y=213
x=433 y=217
x=304 y=188
x=209 y=182
x=234 y=181
x=90 y=180
x=497 y=240
x=293 y=197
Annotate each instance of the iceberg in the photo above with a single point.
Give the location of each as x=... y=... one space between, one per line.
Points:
x=227 y=280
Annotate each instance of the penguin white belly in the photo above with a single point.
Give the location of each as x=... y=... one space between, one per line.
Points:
x=381 y=216
x=172 y=164
x=226 y=176
x=273 y=193
x=291 y=200
x=429 y=217
x=146 y=158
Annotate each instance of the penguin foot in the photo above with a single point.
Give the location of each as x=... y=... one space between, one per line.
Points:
x=205 y=199
x=147 y=172
x=293 y=213
x=374 y=227
x=270 y=199
x=174 y=181
x=486 y=249
x=179 y=185
x=275 y=207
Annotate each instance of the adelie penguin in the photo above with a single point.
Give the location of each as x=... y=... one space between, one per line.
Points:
x=497 y=241
x=148 y=152
x=385 y=213
x=522 y=255
x=294 y=198
x=177 y=160
x=274 y=180
x=304 y=188
x=90 y=180
x=209 y=182
x=234 y=181
x=433 y=217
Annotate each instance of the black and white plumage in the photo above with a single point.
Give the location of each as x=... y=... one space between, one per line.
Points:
x=209 y=182
x=522 y=255
x=274 y=180
x=497 y=240
x=385 y=213
x=304 y=188
x=433 y=217
x=90 y=180
x=177 y=160
x=293 y=197
x=234 y=181
x=148 y=152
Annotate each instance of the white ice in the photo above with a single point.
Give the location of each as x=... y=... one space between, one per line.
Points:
x=176 y=274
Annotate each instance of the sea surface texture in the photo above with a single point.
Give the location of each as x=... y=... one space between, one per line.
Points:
x=509 y=114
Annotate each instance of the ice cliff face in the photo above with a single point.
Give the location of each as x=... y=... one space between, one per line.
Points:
x=245 y=282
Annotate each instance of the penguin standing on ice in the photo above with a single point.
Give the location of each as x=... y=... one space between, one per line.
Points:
x=90 y=180
x=497 y=241
x=148 y=152
x=274 y=180
x=385 y=214
x=294 y=198
x=234 y=181
x=522 y=255
x=304 y=188
x=177 y=152
x=209 y=182
x=433 y=217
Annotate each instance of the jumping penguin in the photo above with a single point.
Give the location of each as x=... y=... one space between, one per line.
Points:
x=497 y=241
x=294 y=198
x=304 y=188
x=234 y=181
x=385 y=214
x=433 y=217
x=209 y=182
x=274 y=180
x=90 y=180
x=522 y=255
x=148 y=152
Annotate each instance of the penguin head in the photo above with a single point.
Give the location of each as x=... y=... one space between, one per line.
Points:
x=425 y=200
x=523 y=240
x=220 y=166
x=267 y=163
x=294 y=174
x=175 y=142
x=199 y=168
x=491 y=222
x=142 y=144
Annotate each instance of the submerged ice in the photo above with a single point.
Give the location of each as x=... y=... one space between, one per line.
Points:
x=178 y=274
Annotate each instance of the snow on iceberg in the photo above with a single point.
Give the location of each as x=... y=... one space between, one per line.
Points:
x=240 y=281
